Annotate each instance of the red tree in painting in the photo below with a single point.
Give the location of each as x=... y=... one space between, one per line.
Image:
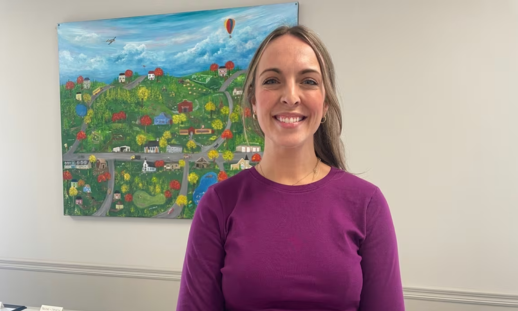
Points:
x=175 y=185
x=70 y=86
x=104 y=177
x=168 y=194
x=101 y=178
x=229 y=65
x=145 y=120
x=256 y=157
x=80 y=81
x=214 y=67
x=247 y=112
x=226 y=135
x=128 y=197
x=67 y=175
x=118 y=116
x=222 y=175
x=81 y=135
x=128 y=73
x=159 y=163
x=158 y=73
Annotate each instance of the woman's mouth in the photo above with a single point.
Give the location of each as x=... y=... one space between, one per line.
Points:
x=289 y=120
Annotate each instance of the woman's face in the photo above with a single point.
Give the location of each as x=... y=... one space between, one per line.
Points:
x=289 y=93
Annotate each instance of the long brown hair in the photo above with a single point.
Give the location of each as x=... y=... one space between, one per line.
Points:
x=328 y=145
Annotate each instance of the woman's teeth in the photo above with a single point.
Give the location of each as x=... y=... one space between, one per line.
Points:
x=289 y=120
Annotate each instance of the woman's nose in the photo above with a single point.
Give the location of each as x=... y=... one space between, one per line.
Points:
x=290 y=94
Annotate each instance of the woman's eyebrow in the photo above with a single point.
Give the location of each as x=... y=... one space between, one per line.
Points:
x=277 y=70
x=309 y=70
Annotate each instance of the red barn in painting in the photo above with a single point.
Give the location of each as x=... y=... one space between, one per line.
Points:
x=185 y=106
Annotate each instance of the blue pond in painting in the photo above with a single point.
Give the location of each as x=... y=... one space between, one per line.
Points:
x=206 y=181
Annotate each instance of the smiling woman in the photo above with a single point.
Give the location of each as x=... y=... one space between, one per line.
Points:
x=296 y=232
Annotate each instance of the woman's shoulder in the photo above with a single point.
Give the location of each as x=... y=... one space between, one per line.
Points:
x=232 y=184
x=348 y=181
x=354 y=181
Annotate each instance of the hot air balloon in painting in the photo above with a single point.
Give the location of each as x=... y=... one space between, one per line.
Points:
x=230 y=23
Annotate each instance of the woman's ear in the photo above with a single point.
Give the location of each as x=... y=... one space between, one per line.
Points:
x=326 y=108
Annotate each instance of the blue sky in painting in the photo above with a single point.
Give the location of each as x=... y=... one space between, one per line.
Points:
x=180 y=44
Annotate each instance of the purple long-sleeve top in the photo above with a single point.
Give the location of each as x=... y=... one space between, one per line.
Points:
x=258 y=245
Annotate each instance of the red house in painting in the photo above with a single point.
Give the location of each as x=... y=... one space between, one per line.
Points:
x=185 y=106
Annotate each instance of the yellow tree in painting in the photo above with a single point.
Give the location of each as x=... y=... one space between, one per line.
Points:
x=213 y=155
x=210 y=107
x=143 y=94
x=181 y=200
x=191 y=145
x=141 y=139
x=193 y=178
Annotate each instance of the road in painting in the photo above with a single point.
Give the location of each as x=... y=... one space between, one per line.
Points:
x=150 y=108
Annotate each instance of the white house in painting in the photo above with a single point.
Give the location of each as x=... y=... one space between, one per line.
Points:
x=86 y=83
x=237 y=91
x=151 y=147
x=174 y=148
x=244 y=148
x=78 y=164
x=171 y=166
x=241 y=164
x=122 y=78
x=148 y=167
x=79 y=96
x=151 y=75
x=222 y=71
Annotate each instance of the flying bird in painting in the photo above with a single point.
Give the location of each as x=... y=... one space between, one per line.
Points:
x=230 y=23
x=111 y=40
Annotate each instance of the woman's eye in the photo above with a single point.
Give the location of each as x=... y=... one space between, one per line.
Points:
x=270 y=81
x=310 y=82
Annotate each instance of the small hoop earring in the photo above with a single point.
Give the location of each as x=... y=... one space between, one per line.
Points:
x=254 y=116
x=324 y=119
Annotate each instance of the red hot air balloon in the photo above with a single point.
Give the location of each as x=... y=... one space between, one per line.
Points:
x=229 y=26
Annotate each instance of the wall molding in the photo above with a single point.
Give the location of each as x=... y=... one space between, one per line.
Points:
x=459 y=296
x=411 y=293
x=94 y=270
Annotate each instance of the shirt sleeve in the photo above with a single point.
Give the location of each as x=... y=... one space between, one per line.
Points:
x=200 y=285
x=382 y=288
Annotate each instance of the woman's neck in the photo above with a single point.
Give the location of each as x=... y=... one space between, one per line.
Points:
x=291 y=166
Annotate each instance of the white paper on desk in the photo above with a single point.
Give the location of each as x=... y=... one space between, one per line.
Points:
x=49 y=308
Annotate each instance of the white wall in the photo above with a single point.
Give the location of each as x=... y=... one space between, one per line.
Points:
x=430 y=97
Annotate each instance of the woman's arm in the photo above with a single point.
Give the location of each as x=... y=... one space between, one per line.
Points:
x=200 y=288
x=382 y=289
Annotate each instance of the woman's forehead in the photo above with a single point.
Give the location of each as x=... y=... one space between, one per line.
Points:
x=288 y=52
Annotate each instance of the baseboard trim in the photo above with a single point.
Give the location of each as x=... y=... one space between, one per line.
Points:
x=94 y=270
x=458 y=296
x=411 y=293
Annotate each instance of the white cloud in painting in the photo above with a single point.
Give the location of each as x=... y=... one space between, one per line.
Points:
x=87 y=38
x=136 y=54
x=65 y=56
x=218 y=47
x=69 y=63
x=185 y=38
x=191 y=36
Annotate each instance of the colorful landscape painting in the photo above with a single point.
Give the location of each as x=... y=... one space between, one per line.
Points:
x=150 y=108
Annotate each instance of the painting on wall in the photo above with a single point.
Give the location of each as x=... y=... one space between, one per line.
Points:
x=150 y=108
